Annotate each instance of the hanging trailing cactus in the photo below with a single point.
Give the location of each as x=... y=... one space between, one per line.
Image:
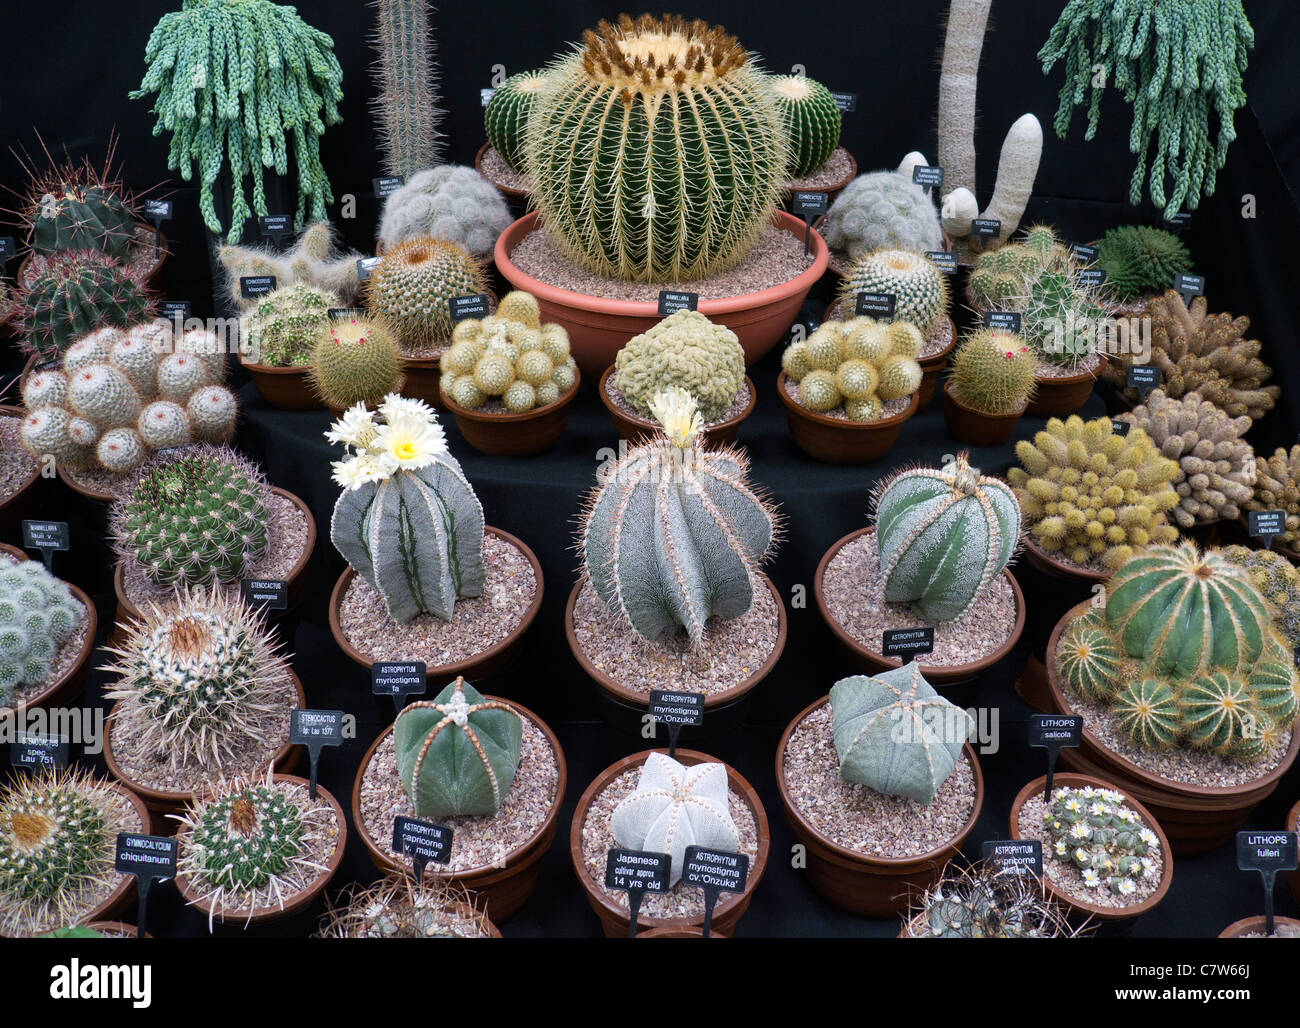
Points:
x=240 y=83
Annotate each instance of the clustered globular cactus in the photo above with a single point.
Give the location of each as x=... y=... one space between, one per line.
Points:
x=656 y=150
x=313 y=260
x=882 y=210
x=457 y=754
x=355 y=360
x=1278 y=580
x=1185 y=655
x=1061 y=319
x=285 y=324
x=1000 y=278
x=858 y=365
x=196 y=517
x=667 y=582
x=987 y=901
x=686 y=349
x=1094 y=831
x=920 y=290
x=410 y=288
x=1277 y=487
x=1205 y=353
x=1140 y=260
x=399 y=907
x=812 y=122
x=118 y=396
x=1216 y=466
x=506 y=115
x=943 y=535
x=408 y=521
x=993 y=372
x=239 y=84
x=406 y=109
x=895 y=734
x=38 y=614
x=72 y=293
x=1091 y=496
x=198 y=679
x=57 y=832
x=452 y=203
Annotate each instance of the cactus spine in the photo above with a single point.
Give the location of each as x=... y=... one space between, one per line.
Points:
x=920 y=290
x=73 y=293
x=355 y=361
x=812 y=121
x=38 y=613
x=410 y=288
x=993 y=372
x=506 y=116
x=406 y=74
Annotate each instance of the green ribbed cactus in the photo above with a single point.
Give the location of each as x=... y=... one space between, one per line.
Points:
x=656 y=150
x=194 y=517
x=83 y=218
x=1147 y=711
x=406 y=74
x=1061 y=319
x=457 y=754
x=993 y=372
x=919 y=288
x=686 y=349
x=895 y=734
x=674 y=534
x=285 y=325
x=1140 y=260
x=1088 y=659
x=812 y=121
x=410 y=288
x=37 y=614
x=355 y=360
x=69 y=295
x=506 y=116
x=943 y=535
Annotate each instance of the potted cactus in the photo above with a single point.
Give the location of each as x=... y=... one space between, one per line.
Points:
x=488 y=769
x=58 y=831
x=258 y=849
x=988 y=901
x=818 y=163
x=1140 y=261
x=399 y=907
x=989 y=385
x=848 y=388
x=936 y=558
x=426 y=580
x=313 y=260
x=355 y=360
x=451 y=203
x=599 y=274
x=1190 y=694
x=509 y=380
x=682 y=610
x=662 y=804
x=505 y=120
x=688 y=350
x=873 y=778
x=1277 y=487
x=881 y=211
x=20 y=472
x=279 y=337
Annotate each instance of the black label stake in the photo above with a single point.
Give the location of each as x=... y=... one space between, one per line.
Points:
x=876 y=305
x=675 y=709
x=1003 y=321
x=398 y=679
x=1268 y=853
x=49 y=537
x=43 y=752
x=462 y=308
x=423 y=841
x=271 y=593
x=387 y=185
x=809 y=206
x=715 y=872
x=1053 y=732
x=1143 y=378
x=253 y=286
x=1015 y=856
x=637 y=872
x=1265 y=524
x=365 y=266
x=315 y=729
x=907 y=643
x=158 y=211
x=928 y=175
x=274 y=227
x=1188 y=286
x=150 y=858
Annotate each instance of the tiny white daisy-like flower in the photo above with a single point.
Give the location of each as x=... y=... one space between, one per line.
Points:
x=397 y=406
x=1082 y=856
x=356 y=428
x=1091 y=878
x=1097 y=809
x=1073 y=805
x=410 y=440
x=1087 y=792
x=1061 y=848
x=1127 y=887
x=1079 y=831
x=1148 y=867
x=1149 y=837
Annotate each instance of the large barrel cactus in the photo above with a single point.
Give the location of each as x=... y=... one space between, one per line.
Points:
x=656 y=150
x=71 y=294
x=675 y=535
x=943 y=535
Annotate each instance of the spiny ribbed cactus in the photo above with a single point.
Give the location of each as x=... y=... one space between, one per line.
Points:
x=76 y=206
x=410 y=288
x=399 y=907
x=1001 y=277
x=943 y=535
x=1092 y=496
x=1097 y=833
x=987 y=901
x=195 y=517
x=199 y=678
x=675 y=806
x=239 y=83
x=857 y=365
x=993 y=372
x=70 y=294
x=452 y=203
x=505 y=118
x=1140 y=260
x=38 y=613
x=1147 y=711
x=406 y=74
x=314 y=260
x=812 y=121
x=656 y=150
x=355 y=360
x=1278 y=580
x=1061 y=319
x=408 y=520
x=686 y=349
x=508 y=356
x=457 y=754
x=285 y=325
x=674 y=534
x=895 y=734
x=882 y=210
x=920 y=290
x=1088 y=659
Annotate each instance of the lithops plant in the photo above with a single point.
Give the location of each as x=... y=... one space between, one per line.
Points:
x=895 y=734
x=666 y=581
x=451 y=203
x=1097 y=833
x=812 y=121
x=408 y=521
x=457 y=754
x=409 y=290
x=675 y=806
x=882 y=210
x=688 y=350
x=1277 y=487
x=920 y=289
x=505 y=118
x=943 y=535
x=993 y=372
x=38 y=614
x=399 y=907
x=355 y=360
x=284 y=326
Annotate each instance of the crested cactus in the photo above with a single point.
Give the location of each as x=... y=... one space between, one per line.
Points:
x=812 y=122
x=686 y=349
x=408 y=521
x=993 y=372
x=1140 y=260
x=1277 y=487
x=284 y=326
x=943 y=536
x=505 y=118
x=410 y=288
x=38 y=614
x=70 y=294
x=510 y=357
x=457 y=754
x=895 y=734
x=451 y=203
x=675 y=806
x=406 y=74
x=655 y=150
x=355 y=360
x=920 y=290
x=674 y=534
x=312 y=261
x=855 y=365
x=882 y=210
x=1097 y=833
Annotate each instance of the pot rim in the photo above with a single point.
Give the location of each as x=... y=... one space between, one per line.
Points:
x=1254 y=923
x=792 y=185
x=1049 y=564
x=947 y=392
x=507 y=418
x=510 y=191
x=653 y=426
x=16 y=411
x=145 y=276
x=862 y=427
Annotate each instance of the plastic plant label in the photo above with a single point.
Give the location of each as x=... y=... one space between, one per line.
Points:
x=422 y=841
x=809 y=205
x=398 y=679
x=715 y=872
x=1053 y=732
x=158 y=210
x=1265 y=524
x=846 y=102
x=637 y=872
x=1143 y=378
x=150 y=858
x=271 y=593
x=907 y=642
x=1091 y=278
x=676 y=709
x=671 y=301
x=39 y=752
x=1006 y=321
x=46 y=536
x=1179 y=220
x=463 y=308
x=876 y=305
x=273 y=226
x=1188 y=286
x=986 y=228
x=8 y=247
x=944 y=260
x=253 y=286
x=387 y=185
x=365 y=266
x=1083 y=254
x=1120 y=428
x=344 y=313
x=315 y=729
x=928 y=175
x=176 y=310
x=1268 y=853
x=1016 y=856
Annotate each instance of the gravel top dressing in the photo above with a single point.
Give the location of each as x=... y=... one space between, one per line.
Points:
x=65 y=657
x=838 y=167
x=887 y=410
x=737 y=407
x=499 y=173
x=854 y=591
x=16 y=464
x=1046 y=369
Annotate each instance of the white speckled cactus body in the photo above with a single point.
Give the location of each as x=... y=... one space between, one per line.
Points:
x=37 y=613
x=453 y=203
x=882 y=210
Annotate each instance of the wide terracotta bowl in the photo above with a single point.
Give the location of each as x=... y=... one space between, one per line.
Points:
x=635 y=429
x=837 y=441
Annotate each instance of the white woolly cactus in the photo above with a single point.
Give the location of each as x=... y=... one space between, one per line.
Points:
x=37 y=614
x=453 y=203
x=882 y=210
x=313 y=261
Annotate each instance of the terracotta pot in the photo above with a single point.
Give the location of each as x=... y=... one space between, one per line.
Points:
x=967 y=425
x=371 y=405
x=116 y=928
x=73 y=680
x=872 y=662
x=1196 y=818
x=862 y=884
x=499 y=891
x=730 y=906
x=21 y=503
x=689 y=932
x=1074 y=904
x=472 y=668
x=1292 y=824
x=1251 y=925
x=284 y=759
x=514 y=435
x=1059 y=397
x=423 y=376
x=191 y=893
x=283 y=388
x=1056 y=567
x=837 y=441
x=932 y=367
x=151 y=276
x=598 y=327
x=509 y=192
x=831 y=191
x=635 y=429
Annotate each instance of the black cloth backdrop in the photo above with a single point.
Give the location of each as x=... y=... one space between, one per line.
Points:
x=888 y=54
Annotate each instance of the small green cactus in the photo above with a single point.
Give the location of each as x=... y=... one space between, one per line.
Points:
x=410 y=289
x=857 y=365
x=285 y=325
x=993 y=372
x=987 y=901
x=70 y=294
x=1147 y=711
x=812 y=121
x=688 y=350
x=1095 y=832
x=38 y=613
x=1140 y=260
x=506 y=115
x=508 y=356
x=355 y=360
x=1060 y=319
x=1088 y=661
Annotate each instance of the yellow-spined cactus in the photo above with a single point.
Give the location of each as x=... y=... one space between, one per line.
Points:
x=856 y=365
